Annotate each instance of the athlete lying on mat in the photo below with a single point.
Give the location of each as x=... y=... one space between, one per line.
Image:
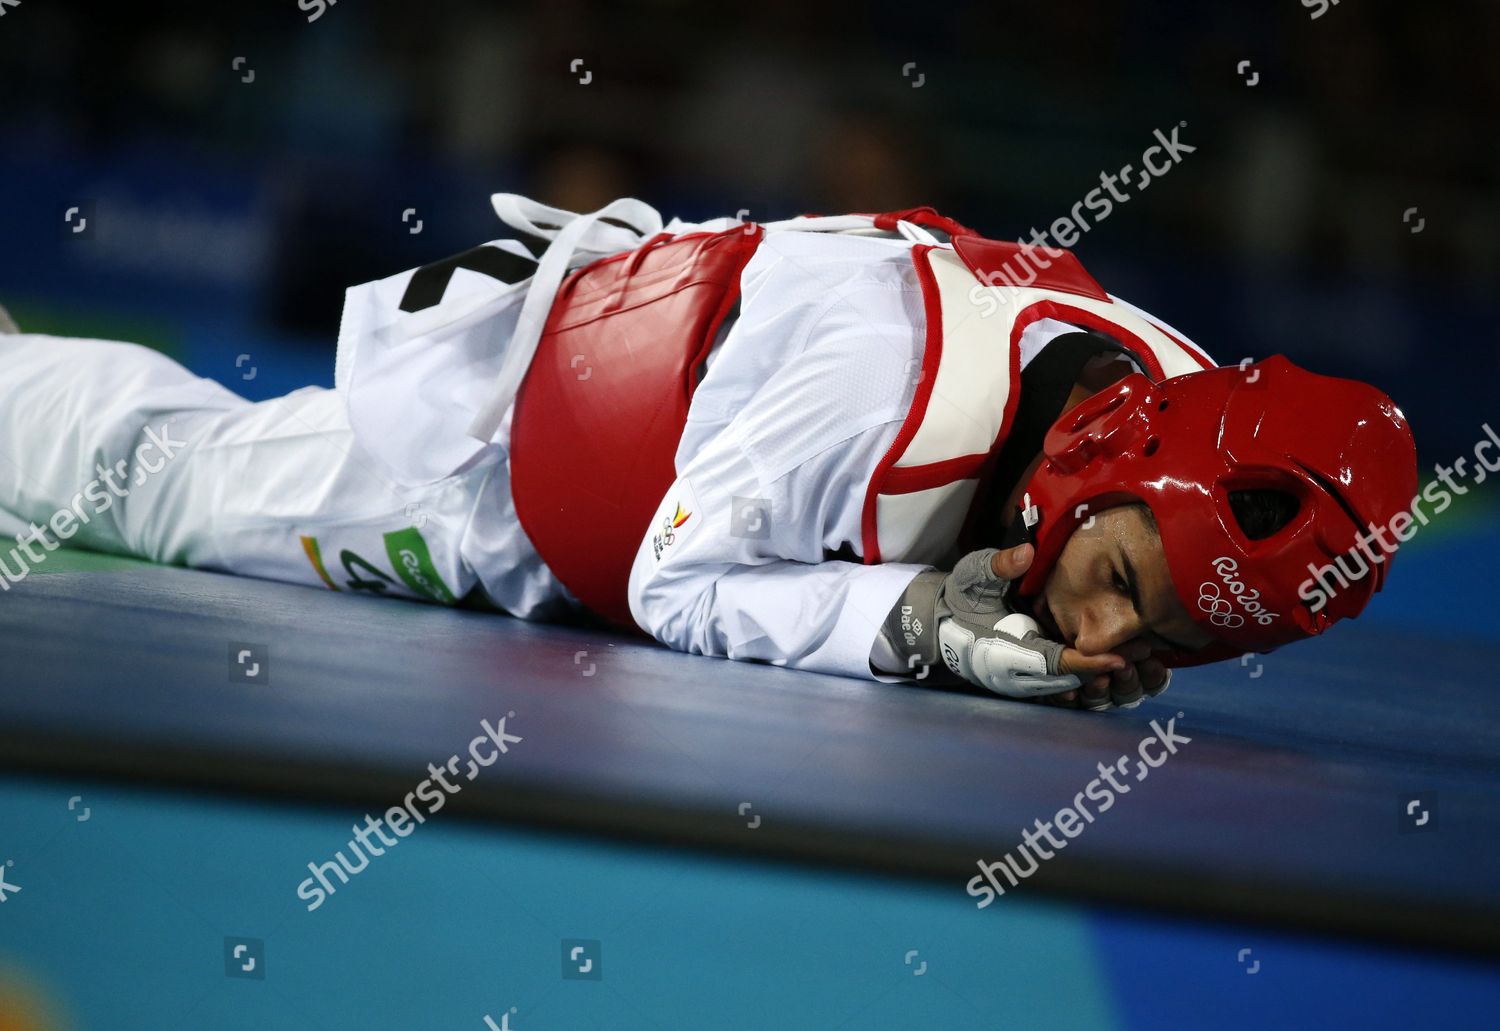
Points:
x=802 y=443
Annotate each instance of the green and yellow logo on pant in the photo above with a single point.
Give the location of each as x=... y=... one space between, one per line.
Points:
x=413 y=564
x=409 y=557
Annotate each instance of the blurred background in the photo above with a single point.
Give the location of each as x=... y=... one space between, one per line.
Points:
x=208 y=179
x=234 y=172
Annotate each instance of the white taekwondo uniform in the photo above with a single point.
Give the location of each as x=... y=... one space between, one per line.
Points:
x=375 y=486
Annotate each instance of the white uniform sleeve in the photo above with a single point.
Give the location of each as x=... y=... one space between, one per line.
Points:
x=721 y=587
x=735 y=562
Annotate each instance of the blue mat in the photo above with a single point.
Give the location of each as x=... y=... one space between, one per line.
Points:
x=733 y=825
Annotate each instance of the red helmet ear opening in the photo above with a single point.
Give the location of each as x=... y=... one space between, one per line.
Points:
x=1264 y=508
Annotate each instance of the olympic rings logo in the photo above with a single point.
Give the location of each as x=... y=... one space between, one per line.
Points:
x=1219 y=608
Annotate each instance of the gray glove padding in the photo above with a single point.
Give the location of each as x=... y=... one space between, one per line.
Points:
x=963 y=617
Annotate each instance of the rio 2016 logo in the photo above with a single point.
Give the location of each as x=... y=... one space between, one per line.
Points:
x=1219 y=608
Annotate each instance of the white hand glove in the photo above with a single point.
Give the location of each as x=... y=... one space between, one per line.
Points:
x=963 y=617
x=1011 y=658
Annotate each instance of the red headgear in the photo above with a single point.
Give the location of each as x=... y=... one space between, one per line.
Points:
x=1341 y=448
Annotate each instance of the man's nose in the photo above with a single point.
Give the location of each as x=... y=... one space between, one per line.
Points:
x=1108 y=628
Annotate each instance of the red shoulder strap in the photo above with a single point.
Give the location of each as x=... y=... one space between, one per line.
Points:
x=923 y=216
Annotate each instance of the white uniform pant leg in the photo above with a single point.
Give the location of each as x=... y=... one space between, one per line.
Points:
x=73 y=417
x=278 y=489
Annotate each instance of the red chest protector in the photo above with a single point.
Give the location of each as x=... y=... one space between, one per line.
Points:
x=602 y=407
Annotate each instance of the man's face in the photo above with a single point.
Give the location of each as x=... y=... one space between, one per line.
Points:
x=1111 y=591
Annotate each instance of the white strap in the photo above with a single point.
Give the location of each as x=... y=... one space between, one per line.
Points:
x=916 y=233
x=572 y=235
x=539 y=219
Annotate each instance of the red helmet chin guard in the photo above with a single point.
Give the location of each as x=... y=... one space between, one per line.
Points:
x=1341 y=448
